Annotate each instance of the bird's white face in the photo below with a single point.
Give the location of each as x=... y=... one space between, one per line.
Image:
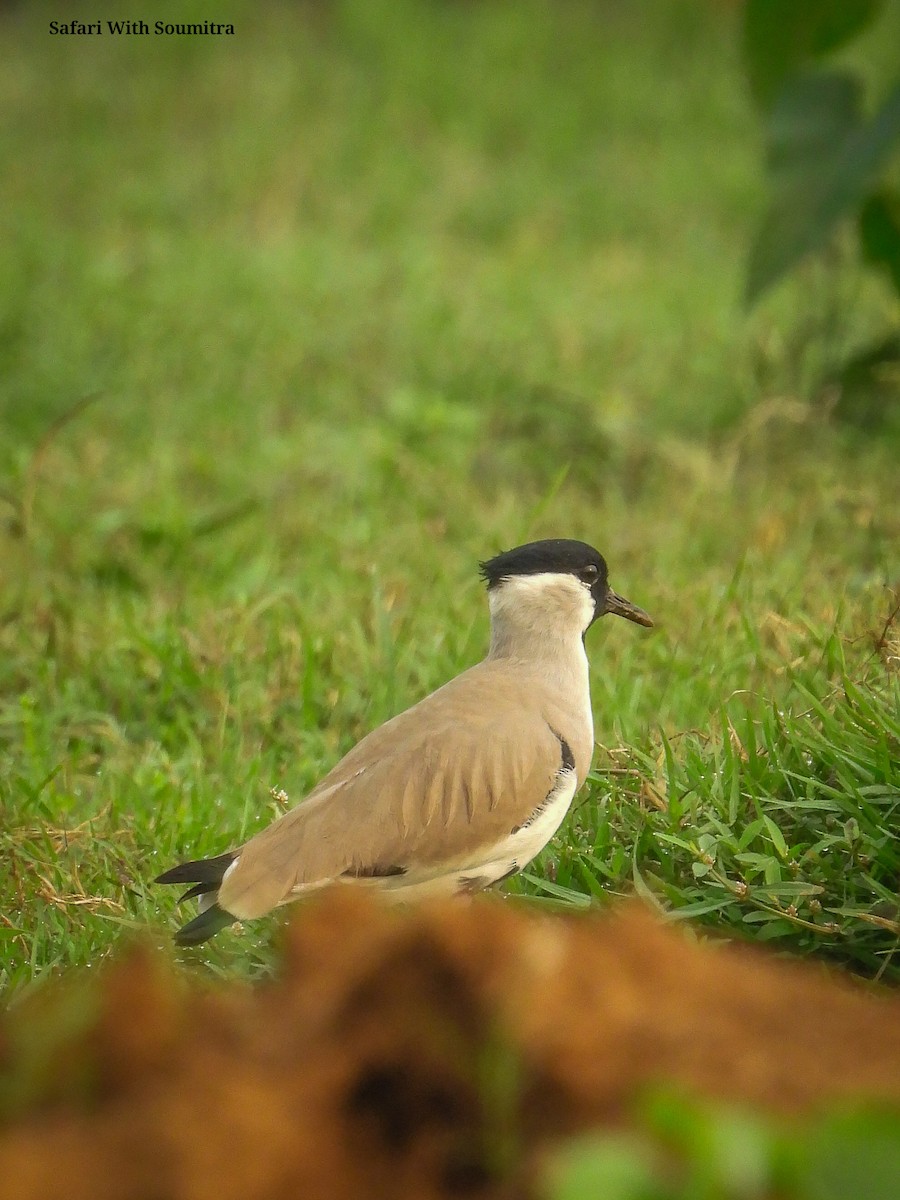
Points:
x=546 y=602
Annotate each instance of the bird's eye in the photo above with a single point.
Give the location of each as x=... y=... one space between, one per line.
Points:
x=589 y=574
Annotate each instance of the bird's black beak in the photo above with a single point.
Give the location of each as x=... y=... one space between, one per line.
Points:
x=624 y=608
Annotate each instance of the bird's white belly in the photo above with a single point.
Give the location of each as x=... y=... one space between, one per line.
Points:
x=493 y=863
x=519 y=848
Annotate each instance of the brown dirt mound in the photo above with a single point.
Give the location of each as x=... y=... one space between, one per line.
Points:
x=432 y=1053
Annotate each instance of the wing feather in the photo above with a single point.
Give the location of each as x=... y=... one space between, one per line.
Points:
x=417 y=795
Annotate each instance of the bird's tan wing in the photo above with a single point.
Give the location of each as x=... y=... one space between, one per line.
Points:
x=433 y=788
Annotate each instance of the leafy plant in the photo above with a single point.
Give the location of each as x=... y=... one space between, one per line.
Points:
x=784 y=825
x=826 y=158
x=829 y=151
x=684 y=1150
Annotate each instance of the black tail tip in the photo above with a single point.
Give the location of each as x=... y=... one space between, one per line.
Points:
x=204 y=926
x=199 y=870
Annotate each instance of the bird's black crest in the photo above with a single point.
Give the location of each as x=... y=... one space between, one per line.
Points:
x=554 y=554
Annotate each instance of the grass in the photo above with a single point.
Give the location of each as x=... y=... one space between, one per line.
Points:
x=297 y=325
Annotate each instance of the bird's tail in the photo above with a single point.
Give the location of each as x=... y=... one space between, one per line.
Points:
x=206 y=875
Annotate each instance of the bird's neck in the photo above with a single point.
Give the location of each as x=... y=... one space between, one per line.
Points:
x=557 y=654
x=538 y=621
x=544 y=646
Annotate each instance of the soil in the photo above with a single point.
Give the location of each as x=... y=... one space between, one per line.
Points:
x=427 y=1053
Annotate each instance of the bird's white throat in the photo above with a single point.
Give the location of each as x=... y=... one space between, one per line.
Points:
x=534 y=616
x=539 y=621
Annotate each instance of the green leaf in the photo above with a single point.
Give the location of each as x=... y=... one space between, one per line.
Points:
x=777 y=837
x=868 y=383
x=700 y=908
x=615 y=1166
x=780 y=39
x=825 y=164
x=816 y=113
x=569 y=895
x=728 y=1152
x=795 y=888
x=856 y=1156
x=879 y=233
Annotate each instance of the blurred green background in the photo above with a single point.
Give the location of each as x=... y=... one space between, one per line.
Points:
x=298 y=324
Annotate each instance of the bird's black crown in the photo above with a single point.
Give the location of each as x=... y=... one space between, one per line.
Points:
x=559 y=555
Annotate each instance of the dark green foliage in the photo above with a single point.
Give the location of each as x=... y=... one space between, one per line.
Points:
x=824 y=159
x=781 y=40
x=831 y=141
x=867 y=383
x=683 y=1150
x=879 y=233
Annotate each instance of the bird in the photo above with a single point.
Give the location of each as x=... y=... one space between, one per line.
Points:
x=463 y=789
